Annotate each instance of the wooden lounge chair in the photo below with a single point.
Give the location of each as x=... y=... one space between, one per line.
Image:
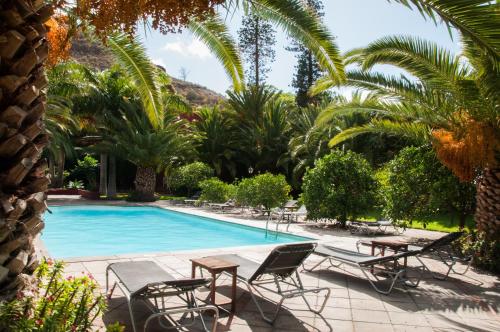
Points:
x=371 y=265
x=442 y=250
x=146 y=281
x=280 y=270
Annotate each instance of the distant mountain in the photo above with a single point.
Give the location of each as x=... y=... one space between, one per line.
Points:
x=95 y=55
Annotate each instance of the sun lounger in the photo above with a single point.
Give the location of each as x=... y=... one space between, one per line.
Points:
x=222 y=206
x=374 y=227
x=279 y=269
x=441 y=249
x=146 y=281
x=371 y=265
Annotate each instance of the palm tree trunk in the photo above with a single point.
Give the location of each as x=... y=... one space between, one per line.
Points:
x=59 y=179
x=23 y=178
x=112 y=177
x=103 y=175
x=488 y=204
x=145 y=182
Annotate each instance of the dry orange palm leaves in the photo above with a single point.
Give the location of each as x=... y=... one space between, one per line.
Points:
x=166 y=15
x=58 y=38
x=464 y=154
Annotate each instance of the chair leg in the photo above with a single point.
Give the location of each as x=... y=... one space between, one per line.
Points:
x=315 y=266
x=255 y=300
x=131 y=311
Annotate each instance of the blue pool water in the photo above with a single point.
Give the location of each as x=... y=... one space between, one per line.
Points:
x=74 y=231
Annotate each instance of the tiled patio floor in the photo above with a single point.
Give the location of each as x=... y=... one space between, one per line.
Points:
x=461 y=303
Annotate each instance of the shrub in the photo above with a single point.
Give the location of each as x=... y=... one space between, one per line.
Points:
x=189 y=176
x=54 y=303
x=268 y=190
x=86 y=170
x=216 y=191
x=245 y=192
x=417 y=185
x=341 y=185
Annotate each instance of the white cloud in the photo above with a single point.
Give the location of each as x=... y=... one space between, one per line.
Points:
x=195 y=48
x=159 y=62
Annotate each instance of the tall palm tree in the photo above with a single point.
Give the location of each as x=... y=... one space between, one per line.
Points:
x=453 y=104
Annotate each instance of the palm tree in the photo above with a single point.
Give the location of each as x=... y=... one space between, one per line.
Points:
x=452 y=105
x=217 y=144
x=262 y=129
x=131 y=135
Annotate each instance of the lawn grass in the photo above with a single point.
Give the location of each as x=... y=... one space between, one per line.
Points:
x=124 y=196
x=440 y=223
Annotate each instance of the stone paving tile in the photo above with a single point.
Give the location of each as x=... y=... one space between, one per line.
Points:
x=370 y=316
x=409 y=328
x=367 y=304
x=408 y=318
x=372 y=327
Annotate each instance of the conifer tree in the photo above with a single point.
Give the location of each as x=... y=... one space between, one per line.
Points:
x=256 y=40
x=307 y=69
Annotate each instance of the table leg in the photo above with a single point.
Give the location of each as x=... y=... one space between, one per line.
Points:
x=212 y=289
x=193 y=270
x=373 y=254
x=233 y=292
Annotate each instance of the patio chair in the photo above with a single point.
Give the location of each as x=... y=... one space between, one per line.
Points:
x=441 y=249
x=146 y=281
x=280 y=269
x=375 y=227
x=388 y=265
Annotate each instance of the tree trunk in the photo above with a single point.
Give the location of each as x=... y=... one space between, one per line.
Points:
x=103 y=175
x=23 y=174
x=112 y=177
x=487 y=214
x=145 y=182
x=59 y=179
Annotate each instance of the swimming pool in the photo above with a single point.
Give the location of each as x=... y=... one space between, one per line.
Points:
x=75 y=231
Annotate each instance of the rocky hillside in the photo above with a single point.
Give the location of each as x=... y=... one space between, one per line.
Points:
x=95 y=55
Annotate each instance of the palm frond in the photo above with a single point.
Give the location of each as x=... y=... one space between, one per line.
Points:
x=475 y=19
x=131 y=55
x=214 y=33
x=299 y=22
x=413 y=131
x=423 y=59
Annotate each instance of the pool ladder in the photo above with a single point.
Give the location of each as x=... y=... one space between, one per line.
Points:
x=267 y=227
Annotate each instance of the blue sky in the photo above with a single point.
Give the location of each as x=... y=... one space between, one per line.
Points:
x=354 y=23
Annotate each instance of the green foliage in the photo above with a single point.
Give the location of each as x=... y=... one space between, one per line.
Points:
x=269 y=190
x=216 y=191
x=245 y=192
x=77 y=184
x=340 y=186
x=54 y=303
x=415 y=185
x=86 y=170
x=189 y=176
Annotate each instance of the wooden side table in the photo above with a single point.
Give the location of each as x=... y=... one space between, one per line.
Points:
x=394 y=245
x=215 y=266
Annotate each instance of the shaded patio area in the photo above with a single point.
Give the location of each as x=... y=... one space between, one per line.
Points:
x=461 y=303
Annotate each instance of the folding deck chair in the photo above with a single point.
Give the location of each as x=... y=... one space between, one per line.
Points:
x=280 y=268
x=440 y=249
x=368 y=264
x=146 y=281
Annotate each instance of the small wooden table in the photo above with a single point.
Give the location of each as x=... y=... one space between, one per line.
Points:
x=215 y=266
x=394 y=245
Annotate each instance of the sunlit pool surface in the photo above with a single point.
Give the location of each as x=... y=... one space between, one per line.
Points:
x=75 y=231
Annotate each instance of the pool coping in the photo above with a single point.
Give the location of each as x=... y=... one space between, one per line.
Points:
x=43 y=250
